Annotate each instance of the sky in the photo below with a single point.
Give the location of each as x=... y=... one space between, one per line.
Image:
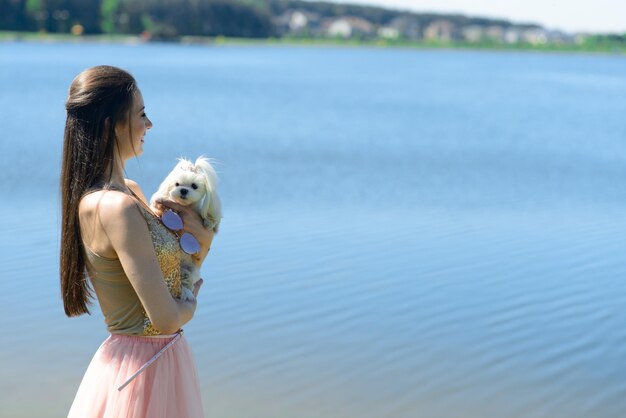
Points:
x=599 y=16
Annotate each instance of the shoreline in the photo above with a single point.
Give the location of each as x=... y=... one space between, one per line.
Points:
x=12 y=36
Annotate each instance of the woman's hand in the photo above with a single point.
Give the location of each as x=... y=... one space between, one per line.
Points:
x=187 y=308
x=192 y=223
x=196 y=287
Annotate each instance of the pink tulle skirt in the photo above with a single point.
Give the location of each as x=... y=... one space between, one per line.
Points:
x=167 y=388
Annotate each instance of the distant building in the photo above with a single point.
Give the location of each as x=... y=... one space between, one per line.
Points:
x=440 y=30
x=535 y=36
x=339 y=28
x=388 y=32
x=473 y=33
x=347 y=27
x=407 y=26
x=512 y=35
x=559 y=37
x=495 y=33
x=297 y=22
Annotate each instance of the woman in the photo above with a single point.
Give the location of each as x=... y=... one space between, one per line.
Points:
x=113 y=244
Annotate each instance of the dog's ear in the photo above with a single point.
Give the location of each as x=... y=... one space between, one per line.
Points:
x=203 y=167
x=211 y=206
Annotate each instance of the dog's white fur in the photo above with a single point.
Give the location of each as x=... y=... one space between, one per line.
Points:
x=194 y=185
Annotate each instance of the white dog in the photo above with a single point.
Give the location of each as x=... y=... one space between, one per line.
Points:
x=194 y=185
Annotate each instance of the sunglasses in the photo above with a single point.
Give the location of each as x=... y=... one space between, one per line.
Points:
x=173 y=222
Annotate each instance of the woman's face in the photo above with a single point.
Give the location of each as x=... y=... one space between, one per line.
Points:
x=130 y=141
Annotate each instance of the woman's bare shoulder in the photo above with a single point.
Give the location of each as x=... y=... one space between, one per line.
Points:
x=101 y=213
x=132 y=185
x=104 y=202
x=108 y=209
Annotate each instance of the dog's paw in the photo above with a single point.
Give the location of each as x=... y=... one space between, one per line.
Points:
x=210 y=224
x=187 y=295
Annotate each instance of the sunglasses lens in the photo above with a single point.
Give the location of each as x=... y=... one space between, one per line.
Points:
x=171 y=220
x=189 y=243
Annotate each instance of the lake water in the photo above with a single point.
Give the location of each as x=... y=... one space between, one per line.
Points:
x=407 y=233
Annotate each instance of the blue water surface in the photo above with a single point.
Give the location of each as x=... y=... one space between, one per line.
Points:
x=406 y=233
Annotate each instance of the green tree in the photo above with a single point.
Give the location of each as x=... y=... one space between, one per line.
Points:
x=36 y=12
x=108 y=10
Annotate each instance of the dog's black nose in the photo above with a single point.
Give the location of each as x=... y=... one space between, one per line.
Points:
x=183 y=192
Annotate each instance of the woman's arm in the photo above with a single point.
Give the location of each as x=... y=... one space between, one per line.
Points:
x=128 y=233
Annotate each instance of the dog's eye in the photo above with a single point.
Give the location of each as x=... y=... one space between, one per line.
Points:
x=193 y=186
x=177 y=184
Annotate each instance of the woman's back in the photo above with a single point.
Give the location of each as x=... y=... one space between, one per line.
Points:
x=120 y=305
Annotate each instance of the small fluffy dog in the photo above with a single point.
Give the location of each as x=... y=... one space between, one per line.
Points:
x=194 y=185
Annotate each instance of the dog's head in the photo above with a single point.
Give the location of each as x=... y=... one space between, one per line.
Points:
x=187 y=183
x=193 y=183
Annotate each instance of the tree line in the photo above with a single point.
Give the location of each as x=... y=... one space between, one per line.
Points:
x=173 y=18
x=166 y=17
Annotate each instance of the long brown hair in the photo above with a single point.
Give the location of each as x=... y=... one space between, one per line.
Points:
x=96 y=95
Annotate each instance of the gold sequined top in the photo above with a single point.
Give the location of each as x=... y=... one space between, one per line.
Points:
x=120 y=305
